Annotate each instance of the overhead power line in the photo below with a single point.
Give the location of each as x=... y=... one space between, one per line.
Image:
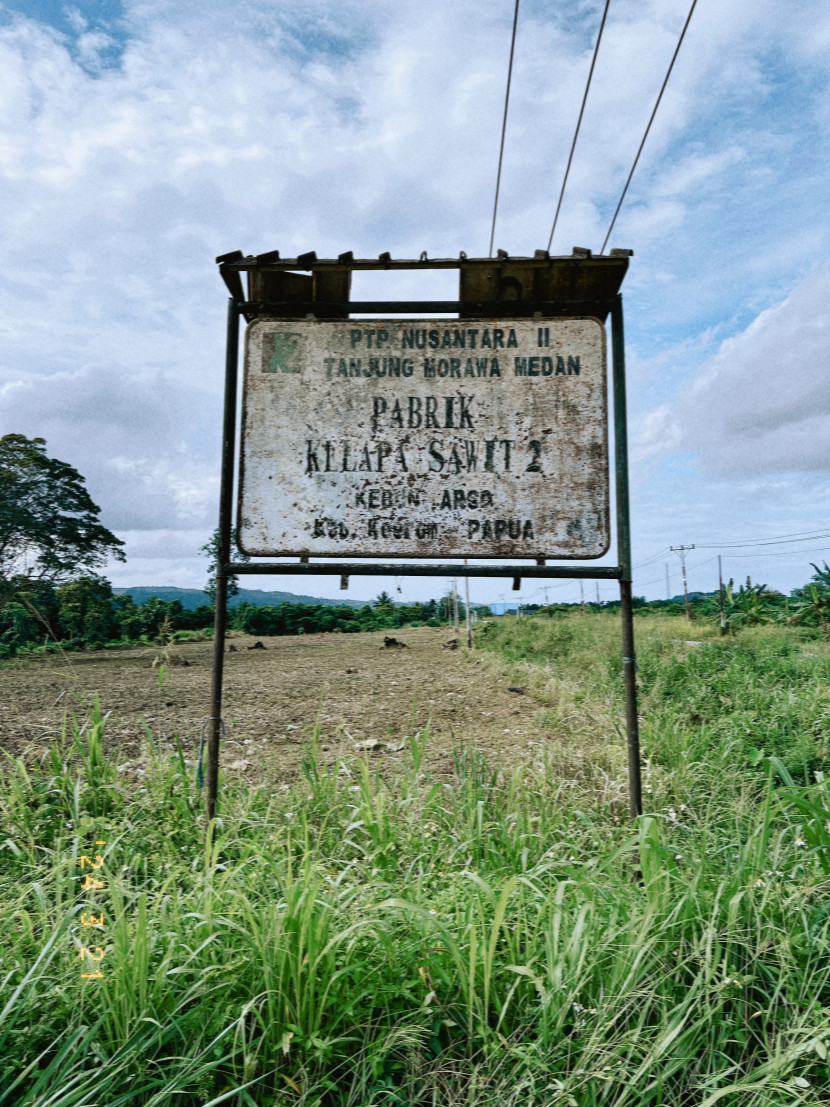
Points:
x=654 y=557
x=578 y=125
x=651 y=120
x=784 y=553
x=809 y=536
x=504 y=125
x=751 y=544
x=693 y=567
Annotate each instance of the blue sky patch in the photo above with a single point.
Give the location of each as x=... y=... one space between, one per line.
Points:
x=77 y=22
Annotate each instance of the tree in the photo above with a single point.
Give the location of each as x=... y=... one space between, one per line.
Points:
x=87 y=611
x=28 y=614
x=154 y=613
x=49 y=525
x=211 y=550
x=383 y=606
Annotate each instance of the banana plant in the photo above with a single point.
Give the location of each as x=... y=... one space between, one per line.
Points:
x=749 y=606
x=814 y=603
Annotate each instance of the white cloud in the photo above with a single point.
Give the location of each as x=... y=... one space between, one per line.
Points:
x=128 y=436
x=132 y=152
x=761 y=405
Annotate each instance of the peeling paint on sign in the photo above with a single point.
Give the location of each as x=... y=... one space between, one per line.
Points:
x=425 y=438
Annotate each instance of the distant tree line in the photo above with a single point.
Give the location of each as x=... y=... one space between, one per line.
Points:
x=747 y=605
x=84 y=614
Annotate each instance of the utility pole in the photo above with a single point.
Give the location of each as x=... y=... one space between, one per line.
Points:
x=455 y=604
x=668 y=583
x=467 y=606
x=582 y=596
x=681 y=550
x=598 y=607
x=720 y=593
x=547 y=601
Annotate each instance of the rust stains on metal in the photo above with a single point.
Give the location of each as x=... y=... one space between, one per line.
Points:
x=425 y=438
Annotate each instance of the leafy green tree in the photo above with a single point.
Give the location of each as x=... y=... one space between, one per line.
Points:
x=18 y=627
x=87 y=611
x=49 y=525
x=199 y=618
x=155 y=614
x=127 y=616
x=211 y=551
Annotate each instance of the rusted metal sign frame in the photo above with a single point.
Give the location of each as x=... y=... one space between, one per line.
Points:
x=621 y=572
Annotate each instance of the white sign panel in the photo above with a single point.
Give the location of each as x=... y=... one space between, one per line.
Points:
x=425 y=438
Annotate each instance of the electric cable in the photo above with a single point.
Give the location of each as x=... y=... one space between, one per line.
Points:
x=690 y=569
x=809 y=537
x=651 y=120
x=504 y=125
x=784 y=553
x=654 y=557
x=578 y=125
x=749 y=544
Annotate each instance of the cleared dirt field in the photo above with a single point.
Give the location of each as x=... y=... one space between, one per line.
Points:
x=364 y=695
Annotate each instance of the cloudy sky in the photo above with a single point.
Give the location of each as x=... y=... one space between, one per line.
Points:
x=141 y=139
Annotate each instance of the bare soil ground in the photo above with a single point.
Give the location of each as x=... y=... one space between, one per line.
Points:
x=367 y=698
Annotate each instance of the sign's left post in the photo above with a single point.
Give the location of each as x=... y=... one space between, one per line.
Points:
x=223 y=557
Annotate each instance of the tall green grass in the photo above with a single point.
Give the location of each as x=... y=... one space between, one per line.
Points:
x=373 y=935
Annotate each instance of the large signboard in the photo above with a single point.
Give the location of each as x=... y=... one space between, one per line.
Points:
x=425 y=438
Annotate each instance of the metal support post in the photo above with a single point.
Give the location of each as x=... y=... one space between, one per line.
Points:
x=223 y=556
x=624 y=559
x=467 y=608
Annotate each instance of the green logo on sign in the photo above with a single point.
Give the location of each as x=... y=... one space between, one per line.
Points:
x=283 y=351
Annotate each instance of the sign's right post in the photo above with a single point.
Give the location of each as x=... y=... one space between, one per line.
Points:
x=624 y=557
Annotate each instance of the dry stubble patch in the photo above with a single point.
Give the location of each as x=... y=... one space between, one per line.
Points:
x=361 y=693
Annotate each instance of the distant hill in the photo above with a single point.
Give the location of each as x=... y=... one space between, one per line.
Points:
x=191 y=598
